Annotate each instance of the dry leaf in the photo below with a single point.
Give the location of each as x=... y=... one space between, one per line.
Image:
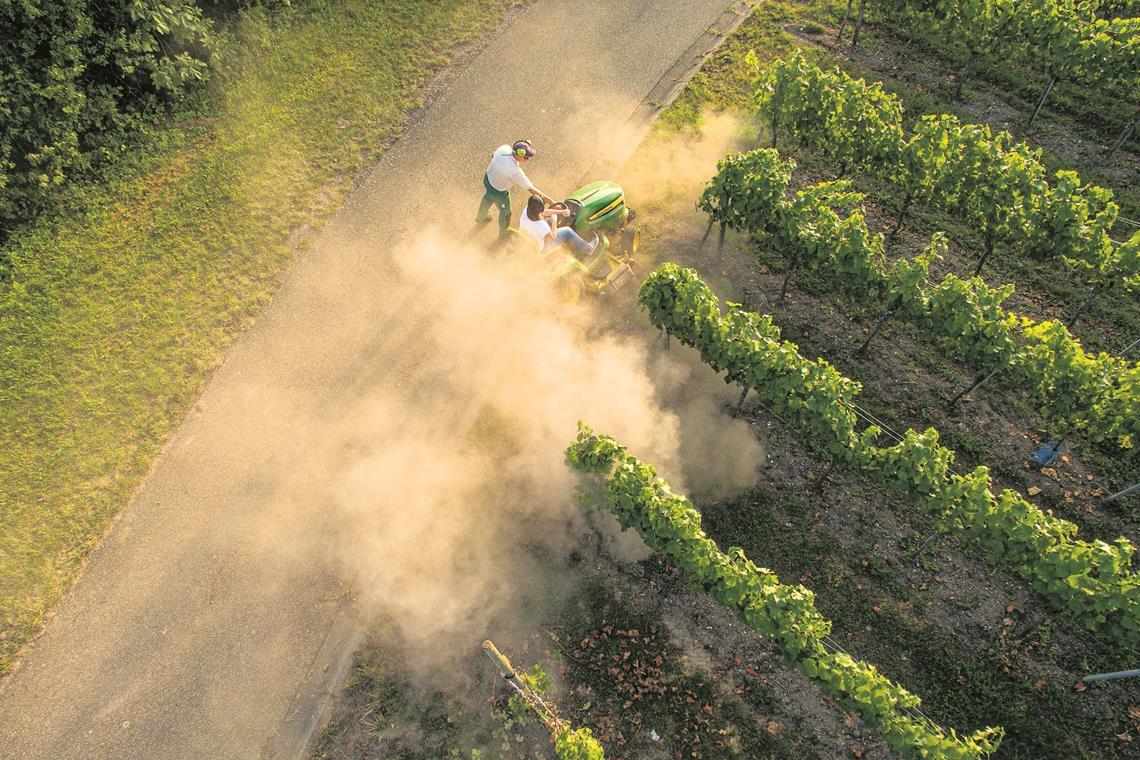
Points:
x=773 y=727
x=1033 y=490
x=1041 y=683
x=1079 y=686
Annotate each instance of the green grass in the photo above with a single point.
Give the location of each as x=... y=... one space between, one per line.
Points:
x=114 y=313
x=724 y=81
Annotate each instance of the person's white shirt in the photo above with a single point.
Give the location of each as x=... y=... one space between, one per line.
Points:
x=535 y=229
x=504 y=171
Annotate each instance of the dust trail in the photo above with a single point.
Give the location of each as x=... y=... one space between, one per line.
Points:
x=664 y=178
x=452 y=506
x=720 y=456
x=672 y=168
x=454 y=502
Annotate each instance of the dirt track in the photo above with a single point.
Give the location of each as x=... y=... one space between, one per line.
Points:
x=207 y=624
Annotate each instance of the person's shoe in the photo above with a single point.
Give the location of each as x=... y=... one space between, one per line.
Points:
x=594 y=243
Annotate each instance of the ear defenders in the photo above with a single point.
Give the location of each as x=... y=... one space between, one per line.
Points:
x=520 y=150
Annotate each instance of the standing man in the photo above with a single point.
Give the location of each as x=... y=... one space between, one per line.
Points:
x=503 y=173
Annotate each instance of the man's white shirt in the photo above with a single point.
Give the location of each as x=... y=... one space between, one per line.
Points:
x=504 y=171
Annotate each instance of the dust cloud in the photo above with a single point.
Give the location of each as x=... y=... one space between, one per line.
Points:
x=664 y=177
x=455 y=505
x=454 y=510
x=720 y=457
x=669 y=170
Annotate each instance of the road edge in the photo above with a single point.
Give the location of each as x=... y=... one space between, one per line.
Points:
x=674 y=80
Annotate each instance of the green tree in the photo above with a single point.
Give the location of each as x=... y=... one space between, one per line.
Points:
x=77 y=78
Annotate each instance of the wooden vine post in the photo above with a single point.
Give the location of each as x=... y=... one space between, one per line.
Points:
x=1041 y=102
x=890 y=312
x=795 y=260
x=740 y=403
x=843 y=22
x=858 y=24
x=1124 y=134
x=977 y=383
x=907 y=200
x=569 y=744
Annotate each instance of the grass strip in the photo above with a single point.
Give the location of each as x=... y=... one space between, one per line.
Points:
x=115 y=313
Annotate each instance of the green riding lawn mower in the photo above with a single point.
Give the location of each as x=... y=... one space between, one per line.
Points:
x=596 y=209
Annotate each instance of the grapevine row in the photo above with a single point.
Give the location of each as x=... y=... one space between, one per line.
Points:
x=1093 y=580
x=1066 y=39
x=1097 y=396
x=996 y=184
x=785 y=614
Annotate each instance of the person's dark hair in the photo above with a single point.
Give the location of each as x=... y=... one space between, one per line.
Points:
x=534 y=207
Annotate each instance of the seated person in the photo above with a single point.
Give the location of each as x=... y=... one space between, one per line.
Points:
x=533 y=223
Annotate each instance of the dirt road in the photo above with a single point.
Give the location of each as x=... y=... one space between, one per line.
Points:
x=205 y=627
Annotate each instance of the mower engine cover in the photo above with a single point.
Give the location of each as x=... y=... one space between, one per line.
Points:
x=598 y=207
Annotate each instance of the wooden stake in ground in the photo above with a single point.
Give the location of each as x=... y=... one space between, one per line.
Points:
x=569 y=744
